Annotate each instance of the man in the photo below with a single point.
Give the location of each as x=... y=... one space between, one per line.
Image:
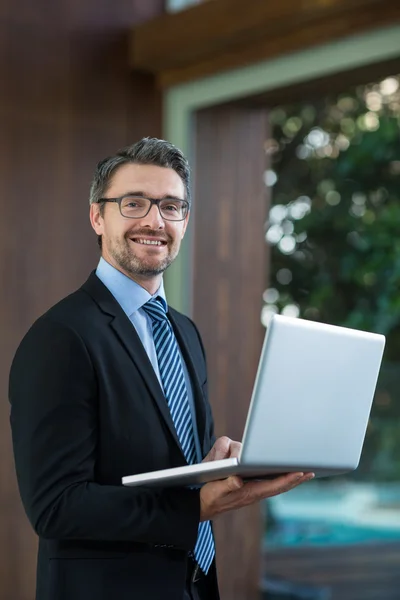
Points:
x=112 y=382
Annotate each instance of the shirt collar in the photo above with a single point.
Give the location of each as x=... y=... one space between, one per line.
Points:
x=129 y=294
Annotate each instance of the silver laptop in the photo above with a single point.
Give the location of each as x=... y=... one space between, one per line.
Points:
x=309 y=409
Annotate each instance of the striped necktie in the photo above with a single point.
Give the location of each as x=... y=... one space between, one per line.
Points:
x=173 y=381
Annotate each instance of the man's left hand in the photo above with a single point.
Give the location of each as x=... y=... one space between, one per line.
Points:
x=224 y=447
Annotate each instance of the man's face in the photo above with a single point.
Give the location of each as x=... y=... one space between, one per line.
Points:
x=124 y=240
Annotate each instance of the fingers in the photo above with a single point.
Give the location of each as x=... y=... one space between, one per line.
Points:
x=213 y=496
x=228 y=494
x=220 y=450
x=223 y=487
x=266 y=489
x=235 y=448
x=257 y=490
x=233 y=483
x=224 y=447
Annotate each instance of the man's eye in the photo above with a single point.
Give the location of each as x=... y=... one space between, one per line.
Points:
x=170 y=207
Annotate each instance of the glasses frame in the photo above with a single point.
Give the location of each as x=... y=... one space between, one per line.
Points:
x=156 y=201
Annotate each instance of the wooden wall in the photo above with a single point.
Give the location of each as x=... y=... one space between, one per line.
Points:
x=68 y=98
x=230 y=267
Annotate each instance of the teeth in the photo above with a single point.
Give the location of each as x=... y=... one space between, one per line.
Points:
x=150 y=242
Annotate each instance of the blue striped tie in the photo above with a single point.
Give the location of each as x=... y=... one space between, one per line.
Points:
x=173 y=381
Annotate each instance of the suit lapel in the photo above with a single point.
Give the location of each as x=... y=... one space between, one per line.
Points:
x=128 y=336
x=184 y=345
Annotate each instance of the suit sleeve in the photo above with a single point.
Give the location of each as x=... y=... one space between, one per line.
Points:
x=53 y=395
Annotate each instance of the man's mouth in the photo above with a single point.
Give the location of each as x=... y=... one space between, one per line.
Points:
x=149 y=241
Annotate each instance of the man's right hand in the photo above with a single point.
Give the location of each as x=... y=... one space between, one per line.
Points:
x=221 y=496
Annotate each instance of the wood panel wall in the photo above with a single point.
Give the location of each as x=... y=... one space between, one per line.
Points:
x=230 y=267
x=68 y=98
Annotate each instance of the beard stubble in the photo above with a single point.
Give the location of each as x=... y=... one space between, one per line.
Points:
x=124 y=255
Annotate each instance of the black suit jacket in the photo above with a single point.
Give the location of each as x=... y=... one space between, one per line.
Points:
x=87 y=409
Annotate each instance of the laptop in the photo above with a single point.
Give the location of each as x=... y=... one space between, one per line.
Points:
x=309 y=409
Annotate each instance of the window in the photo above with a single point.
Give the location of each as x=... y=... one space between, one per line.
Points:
x=334 y=232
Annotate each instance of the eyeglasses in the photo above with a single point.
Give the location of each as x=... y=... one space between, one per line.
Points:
x=137 y=207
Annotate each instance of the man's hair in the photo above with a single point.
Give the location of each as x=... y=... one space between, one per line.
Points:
x=148 y=151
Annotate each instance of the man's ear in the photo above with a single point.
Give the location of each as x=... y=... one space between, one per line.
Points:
x=185 y=224
x=96 y=220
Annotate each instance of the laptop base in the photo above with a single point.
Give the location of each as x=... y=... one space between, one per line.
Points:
x=195 y=475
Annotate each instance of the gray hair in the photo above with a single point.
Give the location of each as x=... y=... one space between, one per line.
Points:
x=148 y=151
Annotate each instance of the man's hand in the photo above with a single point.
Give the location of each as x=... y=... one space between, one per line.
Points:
x=223 y=448
x=221 y=496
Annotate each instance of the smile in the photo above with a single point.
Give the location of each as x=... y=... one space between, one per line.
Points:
x=149 y=242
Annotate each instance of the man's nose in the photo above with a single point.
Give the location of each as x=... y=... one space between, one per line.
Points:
x=153 y=219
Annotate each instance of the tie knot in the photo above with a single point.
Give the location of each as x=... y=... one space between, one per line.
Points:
x=156 y=309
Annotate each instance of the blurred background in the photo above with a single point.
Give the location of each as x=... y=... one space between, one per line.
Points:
x=290 y=116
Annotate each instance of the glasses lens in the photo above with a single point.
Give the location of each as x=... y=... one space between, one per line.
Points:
x=134 y=207
x=173 y=210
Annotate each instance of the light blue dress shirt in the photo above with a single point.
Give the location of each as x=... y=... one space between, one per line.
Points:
x=131 y=296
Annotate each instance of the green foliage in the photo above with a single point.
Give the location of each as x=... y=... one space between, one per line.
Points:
x=334 y=229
